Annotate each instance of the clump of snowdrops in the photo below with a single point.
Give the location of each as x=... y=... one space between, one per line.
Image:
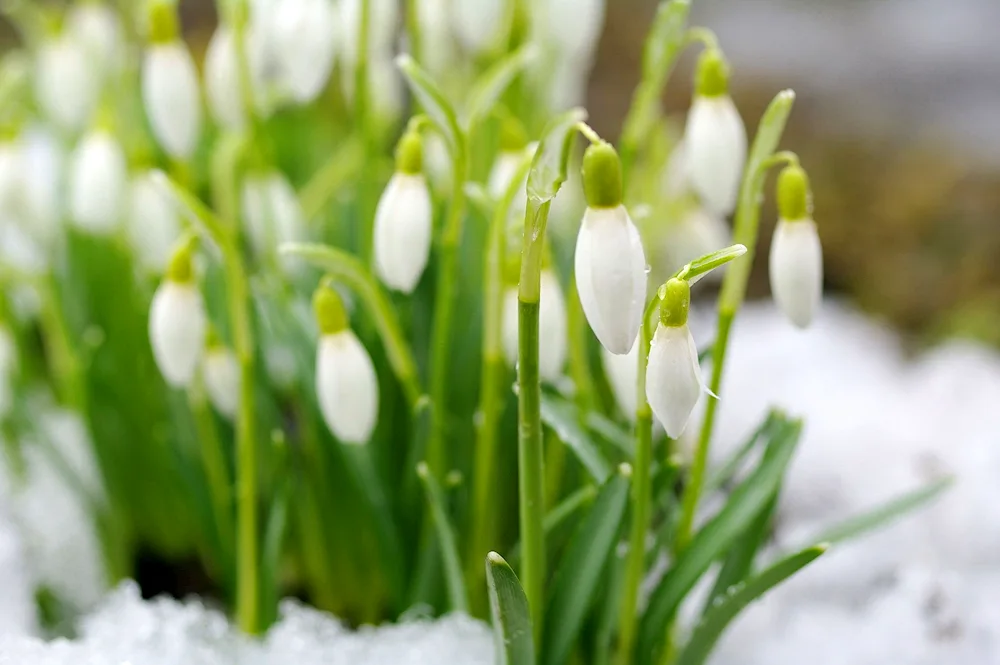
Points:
x=291 y=324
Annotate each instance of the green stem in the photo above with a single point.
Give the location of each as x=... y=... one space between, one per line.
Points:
x=343 y=165
x=642 y=488
x=240 y=18
x=444 y=307
x=213 y=457
x=531 y=476
x=66 y=367
x=413 y=31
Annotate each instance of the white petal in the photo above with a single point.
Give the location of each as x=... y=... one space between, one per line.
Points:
x=716 y=148
x=673 y=377
x=503 y=172
x=97 y=183
x=153 y=223
x=622 y=372
x=479 y=24
x=20 y=250
x=305 y=36
x=42 y=163
x=573 y=26
x=509 y=333
x=66 y=85
x=177 y=325
x=611 y=276
x=438 y=50
x=11 y=180
x=98 y=29
x=222 y=83
x=796 y=270
x=551 y=327
x=171 y=98
x=222 y=380
x=403 y=231
x=696 y=233
x=384 y=18
x=346 y=387
x=271 y=213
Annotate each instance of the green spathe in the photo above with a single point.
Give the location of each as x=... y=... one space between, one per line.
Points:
x=163 y=27
x=676 y=303
x=712 y=74
x=602 y=176
x=329 y=309
x=410 y=153
x=794 y=196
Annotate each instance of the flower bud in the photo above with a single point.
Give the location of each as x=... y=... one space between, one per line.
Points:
x=346 y=384
x=796 y=259
x=610 y=263
x=177 y=321
x=551 y=327
x=272 y=214
x=66 y=85
x=673 y=377
x=403 y=220
x=480 y=25
x=43 y=175
x=170 y=85
x=97 y=183
x=221 y=372
x=305 y=34
x=513 y=142
x=97 y=28
x=573 y=26
x=383 y=21
x=621 y=372
x=152 y=223
x=11 y=178
x=222 y=80
x=715 y=139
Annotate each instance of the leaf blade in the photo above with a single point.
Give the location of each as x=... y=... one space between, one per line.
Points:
x=489 y=87
x=512 y=632
x=561 y=417
x=549 y=165
x=454 y=581
x=432 y=100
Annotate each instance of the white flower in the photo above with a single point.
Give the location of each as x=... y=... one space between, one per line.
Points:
x=479 y=25
x=42 y=174
x=551 y=327
x=221 y=372
x=437 y=45
x=696 y=233
x=272 y=214
x=622 y=372
x=11 y=177
x=346 y=387
x=305 y=37
x=8 y=365
x=98 y=29
x=66 y=85
x=504 y=169
x=20 y=250
x=171 y=98
x=177 y=326
x=403 y=231
x=383 y=20
x=796 y=269
x=222 y=80
x=573 y=26
x=97 y=182
x=153 y=223
x=715 y=143
x=673 y=377
x=611 y=276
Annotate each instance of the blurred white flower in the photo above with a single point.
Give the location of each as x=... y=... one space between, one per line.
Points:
x=673 y=377
x=383 y=22
x=99 y=30
x=153 y=224
x=8 y=365
x=66 y=84
x=20 y=250
x=222 y=80
x=171 y=98
x=305 y=37
x=480 y=25
x=272 y=214
x=97 y=182
x=622 y=372
x=221 y=372
x=403 y=231
x=695 y=234
x=42 y=174
x=796 y=269
x=552 y=333
x=11 y=177
x=177 y=326
x=437 y=47
x=571 y=26
x=346 y=387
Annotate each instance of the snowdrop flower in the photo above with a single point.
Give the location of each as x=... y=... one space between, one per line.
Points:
x=177 y=321
x=696 y=233
x=304 y=34
x=715 y=139
x=8 y=366
x=480 y=25
x=796 y=260
x=98 y=29
x=673 y=377
x=513 y=143
x=383 y=20
x=11 y=182
x=610 y=264
x=551 y=327
x=572 y=26
x=437 y=48
x=272 y=214
x=66 y=84
x=622 y=372
x=152 y=223
x=20 y=250
x=346 y=385
x=170 y=85
x=222 y=80
x=403 y=219
x=42 y=174
x=97 y=182
x=221 y=372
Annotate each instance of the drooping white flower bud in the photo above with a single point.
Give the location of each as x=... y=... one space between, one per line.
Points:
x=513 y=142
x=696 y=233
x=572 y=26
x=177 y=321
x=153 y=224
x=552 y=338
x=437 y=46
x=42 y=173
x=66 y=84
x=98 y=29
x=673 y=377
x=480 y=25
x=97 y=182
x=622 y=371
x=11 y=177
x=403 y=219
x=383 y=22
x=272 y=214
x=796 y=260
x=715 y=139
x=222 y=80
x=21 y=250
x=346 y=384
x=305 y=36
x=170 y=85
x=221 y=372
x=610 y=263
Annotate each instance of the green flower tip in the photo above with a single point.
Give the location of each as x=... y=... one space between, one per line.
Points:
x=602 y=176
x=330 y=314
x=212 y=339
x=180 y=269
x=794 y=195
x=712 y=74
x=675 y=301
x=513 y=138
x=163 y=27
x=410 y=153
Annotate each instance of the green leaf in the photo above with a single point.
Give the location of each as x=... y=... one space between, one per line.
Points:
x=489 y=87
x=859 y=525
x=274 y=536
x=708 y=631
x=714 y=539
x=446 y=540
x=703 y=265
x=579 y=572
x=665 y=40
x=548 y=168
x=432 y=101
x=725 y=471
x=511 y=618
x=739 y=561
x=611 y=432
x=563 y=418
x=559 y=515
x=480 y=198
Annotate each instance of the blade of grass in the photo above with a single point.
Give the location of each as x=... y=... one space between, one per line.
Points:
x=559 y=515
x=511 y=618
x=447 y=543
x=562 y=417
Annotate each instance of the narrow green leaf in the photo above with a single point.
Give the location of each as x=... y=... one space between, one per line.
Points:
x=665 y=40
x=725 y=471
x=610 y=431
x=709 y=262
x=489 y=87
x=859 y=525
x=431 y=100
x=481 y=200
x=739 y=562
x=341 y=168
x=511 y=618
x=562 y=513
x=563 y=418
x=607 y=616
x=715 y=538
x=274 y=536
x=548 y=168
x=708 y=631
x=446 y=540
x=579 y=572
